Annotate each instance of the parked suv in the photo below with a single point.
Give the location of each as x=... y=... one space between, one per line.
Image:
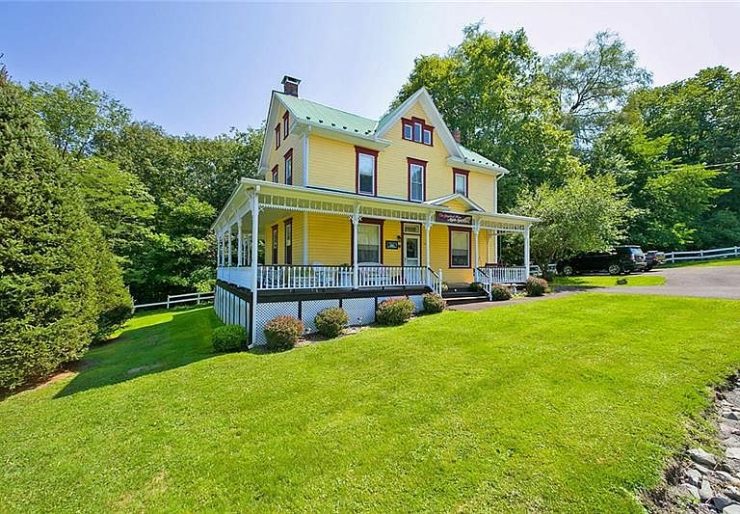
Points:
x=653 y=259
x=623 y=259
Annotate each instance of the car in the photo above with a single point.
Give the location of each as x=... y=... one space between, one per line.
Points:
x=623 y=259
x=653 y=259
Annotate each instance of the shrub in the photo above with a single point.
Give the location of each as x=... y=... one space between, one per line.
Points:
x=433 y=303
x=500 y=293
x=394 y=311
x=228 y=338
x=283 y=332
x=476 y=287
x=536 y=286
x=330 y=322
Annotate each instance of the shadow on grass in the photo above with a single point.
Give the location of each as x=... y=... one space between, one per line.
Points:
x=151 y=343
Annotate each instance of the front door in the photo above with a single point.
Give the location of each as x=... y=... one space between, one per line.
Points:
x=411 y=249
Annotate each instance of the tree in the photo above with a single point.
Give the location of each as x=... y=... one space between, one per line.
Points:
x=491 y=87
x=75 y=114
x=584 y=215
x=51 y=299
x=592 y=84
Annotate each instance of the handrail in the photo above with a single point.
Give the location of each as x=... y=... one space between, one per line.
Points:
x=482 y=276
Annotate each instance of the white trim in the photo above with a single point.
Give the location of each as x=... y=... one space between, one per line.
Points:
x=455 y=196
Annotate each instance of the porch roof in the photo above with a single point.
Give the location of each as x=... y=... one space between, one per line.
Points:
x=312 y=199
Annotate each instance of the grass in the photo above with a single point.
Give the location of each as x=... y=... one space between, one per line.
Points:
x=609 y=281
x=717 y=262
x=567 y=405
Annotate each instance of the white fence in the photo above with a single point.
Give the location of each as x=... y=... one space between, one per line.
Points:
x=176 y=299
x=699 y=255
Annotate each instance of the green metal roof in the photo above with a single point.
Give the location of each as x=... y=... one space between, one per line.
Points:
x=330 y=117
x=322 y=115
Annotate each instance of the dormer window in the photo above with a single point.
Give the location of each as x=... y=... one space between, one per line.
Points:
x=277 y=136
x=286 y=128
x=416 y=130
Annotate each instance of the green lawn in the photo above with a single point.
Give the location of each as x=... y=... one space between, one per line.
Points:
x=610 y=281
x=718 y=262
x=567 y=405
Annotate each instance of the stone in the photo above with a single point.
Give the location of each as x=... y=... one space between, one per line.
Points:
x=726 y=477
x=694 y=477
x=732 y=415
x=731 y=509
x=733 y=453
x=732 y=492
x=720 y=502
x=702 y=457
x=705 y=491
x=701 y=469
x=732 y=440
x=690 y=490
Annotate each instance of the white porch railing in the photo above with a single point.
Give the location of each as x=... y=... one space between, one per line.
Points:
x=237 y=275
x=698 y=255
x=507 y=275
x=303 y=277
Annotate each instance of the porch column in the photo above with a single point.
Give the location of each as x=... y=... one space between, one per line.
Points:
x=218 y=250
x=229 y=251
x=255 y=208
x=240 y=248
x=526 y=250
x=427 y=242
x=355 y=265
x=476 y=231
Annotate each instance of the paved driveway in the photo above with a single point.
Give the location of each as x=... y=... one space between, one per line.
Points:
x=710 y=281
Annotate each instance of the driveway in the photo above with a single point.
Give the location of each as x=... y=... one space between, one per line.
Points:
x=709 y=282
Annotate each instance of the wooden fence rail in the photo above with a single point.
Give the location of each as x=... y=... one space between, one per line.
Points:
x=176 y=299
x=698 y=255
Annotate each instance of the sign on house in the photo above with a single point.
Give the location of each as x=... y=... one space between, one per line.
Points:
x=452 y=217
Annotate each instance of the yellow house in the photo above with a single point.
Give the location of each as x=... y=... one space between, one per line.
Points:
x=352 y=210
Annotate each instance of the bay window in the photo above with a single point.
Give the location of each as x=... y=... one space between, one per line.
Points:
x=417 y=177
x=459 y=247
x=366 y=164
x=369 y=237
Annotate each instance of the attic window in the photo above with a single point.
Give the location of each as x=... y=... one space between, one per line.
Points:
x=416 y=130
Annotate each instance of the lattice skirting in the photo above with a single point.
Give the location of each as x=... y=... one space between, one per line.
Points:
x=232 y=309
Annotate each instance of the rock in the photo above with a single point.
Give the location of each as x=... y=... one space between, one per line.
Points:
x=701 y=469
x=733 y=416
x=720 y=502
x=705 y=491
x=732 y=440
x=694 y=477
x=702 y=457
x=726 y=477
x=690 y=490
x=733 y=453
x=731 y=509
x=732 y=492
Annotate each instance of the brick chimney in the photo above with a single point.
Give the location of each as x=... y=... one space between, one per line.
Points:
x=290 y=85
x=457 y=135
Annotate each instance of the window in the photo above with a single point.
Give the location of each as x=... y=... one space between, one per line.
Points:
x=274 y=244
x=366 y=170
x=368 y=243
x=286 y=128
x=289 y=241
x=277 y=136
x=275 y=174
x=459 y=248
x=417 y=174
x=460 y=182
x=416 y=129
x=289 y=167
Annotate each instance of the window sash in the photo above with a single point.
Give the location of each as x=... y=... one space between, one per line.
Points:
x=286 y=127
x=277 y=136
x=416 y=182
x=461 y=184
x=368 y=243
x=408 y=131
x=459 y=249
x=427 y=137
x=289 y=169
x=366 y=173
x=275 y=177
x=417 y=131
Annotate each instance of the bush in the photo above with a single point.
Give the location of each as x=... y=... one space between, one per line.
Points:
x=228 y=338
x=330 y=322
x=536 y=286
x=476 y=287
x=394 y=311
x=500 y=293
x=283 y=332
x=433 y=303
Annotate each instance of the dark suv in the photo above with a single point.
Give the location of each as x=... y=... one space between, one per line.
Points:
x=623 y=259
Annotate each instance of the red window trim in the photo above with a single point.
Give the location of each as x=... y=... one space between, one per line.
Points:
x=277 y=136
x=366 y=221
x=286 y=127
x=374 y=153
x=470 y=246
x=288 y=248
x=466 y=173
x=274 y=254
x=424 y=126
x=403 y=246
x=275 y=174
x=423 y=164
x=288 y=155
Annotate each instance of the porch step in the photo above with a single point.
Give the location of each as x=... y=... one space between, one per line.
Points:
x=462 y=297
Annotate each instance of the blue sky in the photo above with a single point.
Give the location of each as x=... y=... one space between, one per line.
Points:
x=202 y=68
